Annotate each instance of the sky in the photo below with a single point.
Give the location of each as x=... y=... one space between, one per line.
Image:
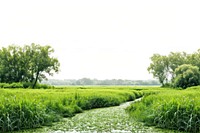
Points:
x=106 y=39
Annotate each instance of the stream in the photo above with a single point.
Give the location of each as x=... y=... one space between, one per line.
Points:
x=106 y=120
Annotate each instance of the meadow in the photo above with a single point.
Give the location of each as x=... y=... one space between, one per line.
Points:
x=170 y=109
x=31 y=108
x=165 y=108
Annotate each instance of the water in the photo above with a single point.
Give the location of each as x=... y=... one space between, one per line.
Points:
x=103 y=120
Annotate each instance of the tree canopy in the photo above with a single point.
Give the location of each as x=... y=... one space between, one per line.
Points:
x=187 y=76
x=176 y=67
x=29 y=63
x=159 y=68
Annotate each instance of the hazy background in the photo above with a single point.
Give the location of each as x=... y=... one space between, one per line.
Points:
x=103 y=39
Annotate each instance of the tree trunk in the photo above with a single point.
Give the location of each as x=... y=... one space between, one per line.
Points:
x=37 y=75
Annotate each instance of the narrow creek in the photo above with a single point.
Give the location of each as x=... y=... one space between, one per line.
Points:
x=106 y=120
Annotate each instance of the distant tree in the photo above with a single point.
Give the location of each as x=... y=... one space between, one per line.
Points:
x=100 y=82
x=186 y=76
x=86 y=81
x=159 y=67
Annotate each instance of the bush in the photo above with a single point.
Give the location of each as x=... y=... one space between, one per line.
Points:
x=43 y=86
x=27 y=84
x=2 y=85
x=187 y=76
x=24 y=85
x=12 y=85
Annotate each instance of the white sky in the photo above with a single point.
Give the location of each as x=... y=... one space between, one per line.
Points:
x=103 y=39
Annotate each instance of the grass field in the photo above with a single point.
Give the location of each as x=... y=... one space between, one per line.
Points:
x=161 y=107
x=27 y=108
x=171 y=109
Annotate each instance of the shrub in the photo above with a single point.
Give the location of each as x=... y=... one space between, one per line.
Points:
x=11 y=85
x=27 y=84
x=187 y=76
x=2 y=85
x=43 y=86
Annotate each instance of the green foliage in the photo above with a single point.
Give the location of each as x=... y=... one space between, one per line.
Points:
x=104 y=120
x=28 y=108
x=12 y=85
x=187 y=76
x=159 y=68
x=10 y=67
x=43 y=86
x=42 y=62
x=20 y=114
x=197 y=88
x=27 y=64
x=24 y=85
x=172 y=109
x=176 y=59
x=194 y=58
x=165 y=68
x=98 y=101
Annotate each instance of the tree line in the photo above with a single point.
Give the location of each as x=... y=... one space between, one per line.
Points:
x=29 y=63
x=88 y=81
x=177 y=69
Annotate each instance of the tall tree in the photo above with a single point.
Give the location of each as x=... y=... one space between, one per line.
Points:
x=159 y=67
x=42 y=62
x=10 y=68
x=4 y=68
x=27 y=64
x=176 y=59
x=194 y=58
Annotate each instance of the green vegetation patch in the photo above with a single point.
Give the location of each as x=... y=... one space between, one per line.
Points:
x=27 y=108
x=106 y=120
x=171 y=109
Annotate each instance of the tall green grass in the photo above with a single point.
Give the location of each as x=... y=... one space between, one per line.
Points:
x=27 y=108
x=171 y=109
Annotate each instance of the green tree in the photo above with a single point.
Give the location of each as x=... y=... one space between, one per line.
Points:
x=159 y=67
x=4 y=68
x=194 y=58
x=42 y=63
x=176 y=59
x=27 y=64
x=186 y=76
x=26 y=60
x=10 y=68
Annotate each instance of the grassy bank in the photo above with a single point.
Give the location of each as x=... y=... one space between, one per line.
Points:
x=171 y=109
x=27 y=108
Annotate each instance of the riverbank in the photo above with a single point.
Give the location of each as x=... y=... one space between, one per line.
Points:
x=110 y=119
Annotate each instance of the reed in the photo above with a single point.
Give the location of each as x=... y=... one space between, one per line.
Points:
x=30 y=108
x=171 y=109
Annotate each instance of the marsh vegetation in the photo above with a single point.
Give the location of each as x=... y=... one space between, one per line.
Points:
x=77 y=109
x=22 y=109
x=74 y=108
